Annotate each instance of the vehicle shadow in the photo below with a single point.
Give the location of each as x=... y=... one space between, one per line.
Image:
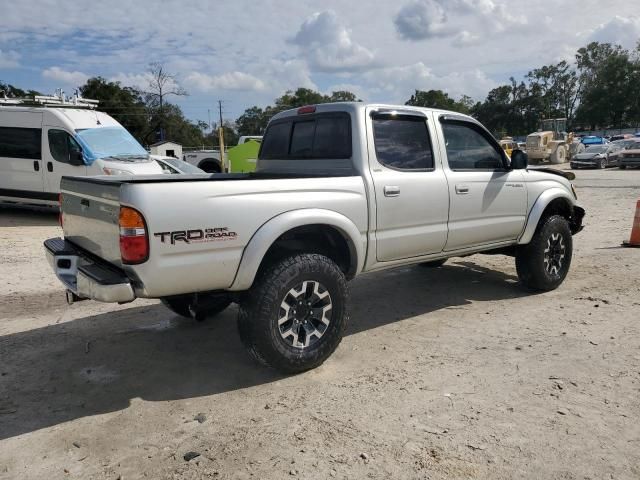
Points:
x=26 y=216
x=97 y=364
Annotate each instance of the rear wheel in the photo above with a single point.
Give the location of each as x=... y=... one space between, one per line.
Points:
x=294 y=316
x=544 y=263
x=198 y=309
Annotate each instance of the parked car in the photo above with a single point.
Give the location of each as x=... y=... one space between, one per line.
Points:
x=174 y=165
x=626 y=143
x=621 y=136
x=630 y=156
x=340 y=189
x=598 y=156
x=46 y=138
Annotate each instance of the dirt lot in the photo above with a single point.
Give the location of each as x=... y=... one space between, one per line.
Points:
x=446 y=373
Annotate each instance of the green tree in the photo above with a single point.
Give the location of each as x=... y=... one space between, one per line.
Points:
x=439 y=99
x=254 y=120
x=11 y=91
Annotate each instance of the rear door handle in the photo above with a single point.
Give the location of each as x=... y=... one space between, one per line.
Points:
x=50 y=166
x=462 y=189
x=391 y=191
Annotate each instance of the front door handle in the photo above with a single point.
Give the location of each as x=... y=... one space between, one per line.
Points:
x=50 y=166
x=391 y=191
x=36 y=165
x=462 y=189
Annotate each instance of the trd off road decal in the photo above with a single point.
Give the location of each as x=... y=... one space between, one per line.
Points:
x=196 y=235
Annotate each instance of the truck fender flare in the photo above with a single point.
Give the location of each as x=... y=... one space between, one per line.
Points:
x=538 y=209
x=270 y=231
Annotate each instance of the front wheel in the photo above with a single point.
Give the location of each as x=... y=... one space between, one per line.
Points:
x=602 y=163
x=294 y=316
x=544 y=263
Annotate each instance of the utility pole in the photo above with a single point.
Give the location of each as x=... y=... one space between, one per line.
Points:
x=225 y=165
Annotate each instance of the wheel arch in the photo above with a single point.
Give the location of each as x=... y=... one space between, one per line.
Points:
x=554 y=201
x=210 y=161
x=308 y=231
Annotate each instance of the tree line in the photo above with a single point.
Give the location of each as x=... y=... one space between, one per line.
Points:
x=599 y=89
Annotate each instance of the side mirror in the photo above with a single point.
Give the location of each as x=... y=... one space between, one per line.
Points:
x=75 y=158
x=519 y=160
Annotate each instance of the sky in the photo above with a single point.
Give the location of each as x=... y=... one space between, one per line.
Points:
x=248 y=53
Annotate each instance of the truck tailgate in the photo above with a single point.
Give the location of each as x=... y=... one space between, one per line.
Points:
x=90 y=211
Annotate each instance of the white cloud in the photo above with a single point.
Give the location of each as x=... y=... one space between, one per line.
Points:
x=398 y=83
x=225 y=81
x=64 y=77
x=422 y=19
x=619 y=30
x=9 y=59
x=327 y=45
x=464 y=39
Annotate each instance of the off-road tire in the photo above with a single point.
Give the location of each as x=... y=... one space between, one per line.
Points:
x=559 y=156
x=207 y=307
x=265 y=305
x=433 y=264
x=535 y=261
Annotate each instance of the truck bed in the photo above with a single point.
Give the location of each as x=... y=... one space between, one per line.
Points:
x=230 y=207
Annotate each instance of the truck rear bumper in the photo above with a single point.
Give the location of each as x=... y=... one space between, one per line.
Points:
x=87 y=277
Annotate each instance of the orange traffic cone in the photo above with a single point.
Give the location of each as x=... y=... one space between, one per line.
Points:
x=634 y=241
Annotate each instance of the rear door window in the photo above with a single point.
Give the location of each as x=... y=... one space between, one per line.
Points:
x=402 y=143
x=21 y=143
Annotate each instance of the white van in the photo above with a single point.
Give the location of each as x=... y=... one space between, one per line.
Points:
x=40 y=144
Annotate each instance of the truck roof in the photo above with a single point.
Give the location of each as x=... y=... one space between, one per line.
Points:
x=357 y=107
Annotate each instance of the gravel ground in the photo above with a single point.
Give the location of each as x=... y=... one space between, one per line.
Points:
x=453 y=372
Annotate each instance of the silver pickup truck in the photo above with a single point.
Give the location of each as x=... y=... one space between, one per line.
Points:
x=339 y=190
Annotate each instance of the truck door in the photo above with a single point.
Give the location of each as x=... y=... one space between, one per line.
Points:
x=412 y=199
x=488 y=201
x=21 y=155
x=60 y=146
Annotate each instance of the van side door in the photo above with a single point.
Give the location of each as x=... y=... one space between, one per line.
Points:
x=21 y=155
x=411 y=195
x=488 y=199
x=57 y=157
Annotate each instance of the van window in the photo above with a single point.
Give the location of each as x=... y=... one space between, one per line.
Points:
x=20 y=142
x=61 y=144
x=321 y=136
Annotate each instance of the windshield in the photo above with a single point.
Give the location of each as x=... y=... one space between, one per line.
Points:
x=597 y=149
x=182 y=165
x=109 y=142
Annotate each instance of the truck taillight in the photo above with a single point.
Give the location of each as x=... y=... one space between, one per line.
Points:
x=134 y=241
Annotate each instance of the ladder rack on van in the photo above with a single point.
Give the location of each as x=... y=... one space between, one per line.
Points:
x=57 y=100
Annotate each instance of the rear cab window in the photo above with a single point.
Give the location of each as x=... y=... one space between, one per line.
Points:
x=315 y=136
